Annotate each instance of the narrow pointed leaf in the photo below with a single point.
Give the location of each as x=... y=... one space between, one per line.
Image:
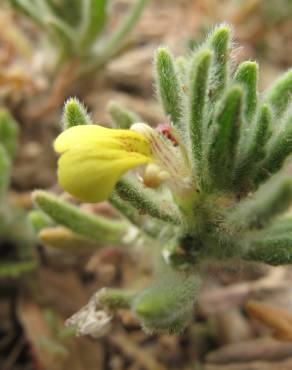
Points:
x=255 y=149
x=146 y=201
x=282 y=225
x=39 y=220
x=29 y=8
x=115 y=298
x=83 y=223
x=166 y=305
x=274 y=250
x=14 y=270
x=225 y=133
x=74 y=114
x=271 y=199
x=262 y=133
x=181 y=64
x=247 y=75
x=8 y=133
x=145 y=223
x=220 y=42
x=5 y=168
x=63 y=34
x=198 y=92
x=94 y=16
x=122 y=117
x=169 y=87
x=279 y=148
x=68 y=10
x=279 y=95
x=113 y=44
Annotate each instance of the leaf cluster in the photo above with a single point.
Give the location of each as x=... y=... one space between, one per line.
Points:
x=238 y=143
x=76 y=28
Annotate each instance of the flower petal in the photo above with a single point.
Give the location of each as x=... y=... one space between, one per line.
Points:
x=90 y=173
x=85 y=135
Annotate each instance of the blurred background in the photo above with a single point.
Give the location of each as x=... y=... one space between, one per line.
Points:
x=41 y=286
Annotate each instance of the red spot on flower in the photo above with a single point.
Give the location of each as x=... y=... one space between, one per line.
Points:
x=165 y=130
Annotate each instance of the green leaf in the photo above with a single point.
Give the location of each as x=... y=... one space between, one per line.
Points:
x=181 y=64
x=8 y=133
x=274 y=250
x=115 y=298
x=68 y=10
x=94 y=17
x=278 y=149
x=262 y=133
x=52 y=321
x=145 y=223
x=282 y=225
x=255 y=149
x=169 y=87
x=122 y=117
x=114 y=43
x=74 y=114
x=198 y=93
x=5 y=168
x=146 y=201
x=247 y=75
x=39 y=220
x=166 y=305
x=279 y=95
x=15 y=270
x=63 y=34
x=270 y=200
x=224 y=137
x=29 y=8
x=220 y=42
x=84 y=223
x=52 y=346
x=124 y=208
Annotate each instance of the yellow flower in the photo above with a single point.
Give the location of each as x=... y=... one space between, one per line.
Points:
x=94 y=158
